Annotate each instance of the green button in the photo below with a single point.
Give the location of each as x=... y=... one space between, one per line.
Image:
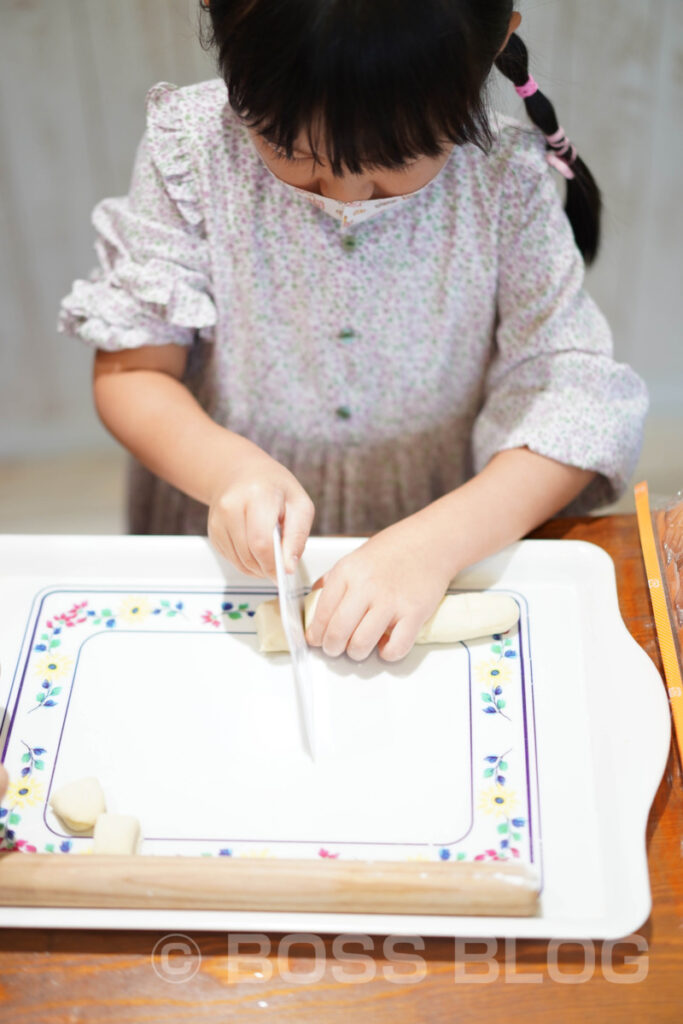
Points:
x=349 y=242
x=343 y=412
x=347 y=333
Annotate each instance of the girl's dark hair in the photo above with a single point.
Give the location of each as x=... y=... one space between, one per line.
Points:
x=583 y=203
x=380 y=82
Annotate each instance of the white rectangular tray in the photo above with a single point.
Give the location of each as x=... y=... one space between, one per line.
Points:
x=135 y=660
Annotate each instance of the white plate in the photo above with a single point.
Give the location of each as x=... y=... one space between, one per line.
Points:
x=545 y=745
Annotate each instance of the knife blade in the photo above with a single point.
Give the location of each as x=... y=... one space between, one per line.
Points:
x=291 y=590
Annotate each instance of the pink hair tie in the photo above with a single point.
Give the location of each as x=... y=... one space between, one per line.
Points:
x=562 y=153
x=560 y=165
x=528 y=89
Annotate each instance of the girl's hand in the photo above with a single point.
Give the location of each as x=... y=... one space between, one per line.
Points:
x=259 y=493
x=382 y=593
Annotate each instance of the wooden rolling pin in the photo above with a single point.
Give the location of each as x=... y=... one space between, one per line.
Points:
x=244 y=883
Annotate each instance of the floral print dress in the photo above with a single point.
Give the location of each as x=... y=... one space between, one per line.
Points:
x=383 y=363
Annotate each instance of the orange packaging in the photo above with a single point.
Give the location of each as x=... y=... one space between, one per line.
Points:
x=660 y=523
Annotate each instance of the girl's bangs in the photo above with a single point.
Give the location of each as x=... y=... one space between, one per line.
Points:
x=365 y=92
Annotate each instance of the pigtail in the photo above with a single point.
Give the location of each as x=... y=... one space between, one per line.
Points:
x=583 y=203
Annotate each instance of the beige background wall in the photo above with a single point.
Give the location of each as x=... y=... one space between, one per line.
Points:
x=73 y=76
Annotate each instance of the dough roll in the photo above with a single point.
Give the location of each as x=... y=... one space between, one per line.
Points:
x=458 y=617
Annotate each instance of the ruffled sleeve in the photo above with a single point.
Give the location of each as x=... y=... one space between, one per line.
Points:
x=552 y=384
x=153 y=284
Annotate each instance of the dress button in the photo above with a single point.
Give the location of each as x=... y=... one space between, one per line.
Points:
x=349 y=242
x=343 y=412
x=347 y=333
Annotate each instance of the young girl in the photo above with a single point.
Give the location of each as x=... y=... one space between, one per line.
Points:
x=341 y=296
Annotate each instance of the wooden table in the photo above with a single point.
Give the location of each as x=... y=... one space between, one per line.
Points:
x=101 y=976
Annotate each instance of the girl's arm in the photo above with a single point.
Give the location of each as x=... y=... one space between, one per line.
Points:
x=383 y=592
x=516 y=492
x=138 y=395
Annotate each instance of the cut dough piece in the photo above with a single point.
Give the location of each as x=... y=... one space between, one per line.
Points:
x=116 y=833
x=269 y=628
x=310 y=605
x=79 y=804
x=458 y=617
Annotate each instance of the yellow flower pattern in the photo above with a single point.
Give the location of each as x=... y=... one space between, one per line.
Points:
x=497 y=800
x=493 y=672
x=134 y=609
x=53 y=666
x=25 y=793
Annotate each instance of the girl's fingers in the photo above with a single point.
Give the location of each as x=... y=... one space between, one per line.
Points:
x=232 y=556
x=400 y=641
x=368 y=633
x=343 y=622
x=226 y=530
x=221 y=540
x=240 y=544
x=332 y=594
x=252 y=538
x=260 y=520
x=299 y=513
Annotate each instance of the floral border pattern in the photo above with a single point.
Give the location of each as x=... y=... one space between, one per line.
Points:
x=501 y=787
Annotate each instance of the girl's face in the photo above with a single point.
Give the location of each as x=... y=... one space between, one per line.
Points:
x=303 y=171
